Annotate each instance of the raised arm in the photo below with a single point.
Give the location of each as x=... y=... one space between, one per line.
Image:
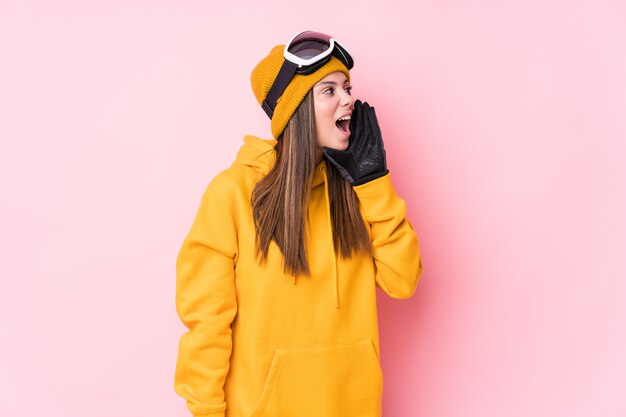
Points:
x=395 y=243
x=363 y=163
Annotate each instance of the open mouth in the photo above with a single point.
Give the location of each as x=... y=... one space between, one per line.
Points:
x=343 y=124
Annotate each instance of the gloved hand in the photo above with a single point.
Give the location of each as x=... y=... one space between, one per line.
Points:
x=364 y=159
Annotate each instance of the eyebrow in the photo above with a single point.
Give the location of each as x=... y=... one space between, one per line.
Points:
x=329 y=82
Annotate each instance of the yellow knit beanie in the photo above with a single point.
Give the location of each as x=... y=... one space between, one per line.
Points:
x=264 y=74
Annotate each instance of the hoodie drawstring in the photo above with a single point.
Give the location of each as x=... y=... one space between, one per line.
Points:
x=332 y=242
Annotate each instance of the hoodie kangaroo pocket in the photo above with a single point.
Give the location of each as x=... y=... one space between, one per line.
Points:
x=343 y=380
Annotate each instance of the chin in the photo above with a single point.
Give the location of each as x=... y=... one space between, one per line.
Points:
x=335 y=141
x=342 y=144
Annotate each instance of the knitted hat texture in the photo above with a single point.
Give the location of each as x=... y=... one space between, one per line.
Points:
x=264 y=74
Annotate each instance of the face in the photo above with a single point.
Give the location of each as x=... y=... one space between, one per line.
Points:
x=333 y=101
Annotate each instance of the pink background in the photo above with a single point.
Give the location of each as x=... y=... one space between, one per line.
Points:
x=505 y=129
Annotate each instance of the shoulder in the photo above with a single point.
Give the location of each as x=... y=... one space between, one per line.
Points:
x=234 y=185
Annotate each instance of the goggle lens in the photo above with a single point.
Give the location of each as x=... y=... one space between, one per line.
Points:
x=307 y=49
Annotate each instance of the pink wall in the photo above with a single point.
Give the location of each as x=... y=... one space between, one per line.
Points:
x=505 y=129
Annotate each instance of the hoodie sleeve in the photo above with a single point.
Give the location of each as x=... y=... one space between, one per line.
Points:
x=206 y=304
x=395 y=244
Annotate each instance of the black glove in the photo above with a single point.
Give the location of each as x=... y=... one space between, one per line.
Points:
x=364 y=160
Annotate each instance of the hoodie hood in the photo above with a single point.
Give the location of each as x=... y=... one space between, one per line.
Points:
x=257 y=153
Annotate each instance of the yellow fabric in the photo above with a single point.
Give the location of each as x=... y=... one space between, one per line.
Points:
x=264 y=74
x=261 y=344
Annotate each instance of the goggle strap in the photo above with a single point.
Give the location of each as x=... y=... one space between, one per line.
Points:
x=343 y=55
x=285 y=74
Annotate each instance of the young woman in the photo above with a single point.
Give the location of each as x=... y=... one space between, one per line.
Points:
x=276 y=280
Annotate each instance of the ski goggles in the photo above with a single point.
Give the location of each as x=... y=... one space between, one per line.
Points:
x=304 y=54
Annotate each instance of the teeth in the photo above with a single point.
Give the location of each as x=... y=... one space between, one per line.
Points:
x=344 y=118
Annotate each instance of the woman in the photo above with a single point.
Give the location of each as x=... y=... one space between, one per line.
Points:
x=277 y=277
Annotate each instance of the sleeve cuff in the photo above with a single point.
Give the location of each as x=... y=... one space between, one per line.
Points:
x=369 y=178
x=378 y=197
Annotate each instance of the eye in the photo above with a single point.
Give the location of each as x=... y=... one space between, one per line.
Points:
x=331 y=89
x=349 y=90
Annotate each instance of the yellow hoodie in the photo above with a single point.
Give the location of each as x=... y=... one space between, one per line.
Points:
x=264 y=344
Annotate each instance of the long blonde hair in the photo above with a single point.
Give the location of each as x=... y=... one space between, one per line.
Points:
x=280 y=200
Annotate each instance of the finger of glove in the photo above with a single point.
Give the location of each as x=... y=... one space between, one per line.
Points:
x=359 y=130
x=356 y=121
x=361 y=148
x=373 y=121
x=376 y=128
x=356 y=112
x=378 y=138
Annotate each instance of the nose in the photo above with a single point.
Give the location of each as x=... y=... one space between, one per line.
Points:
x=347 y=100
